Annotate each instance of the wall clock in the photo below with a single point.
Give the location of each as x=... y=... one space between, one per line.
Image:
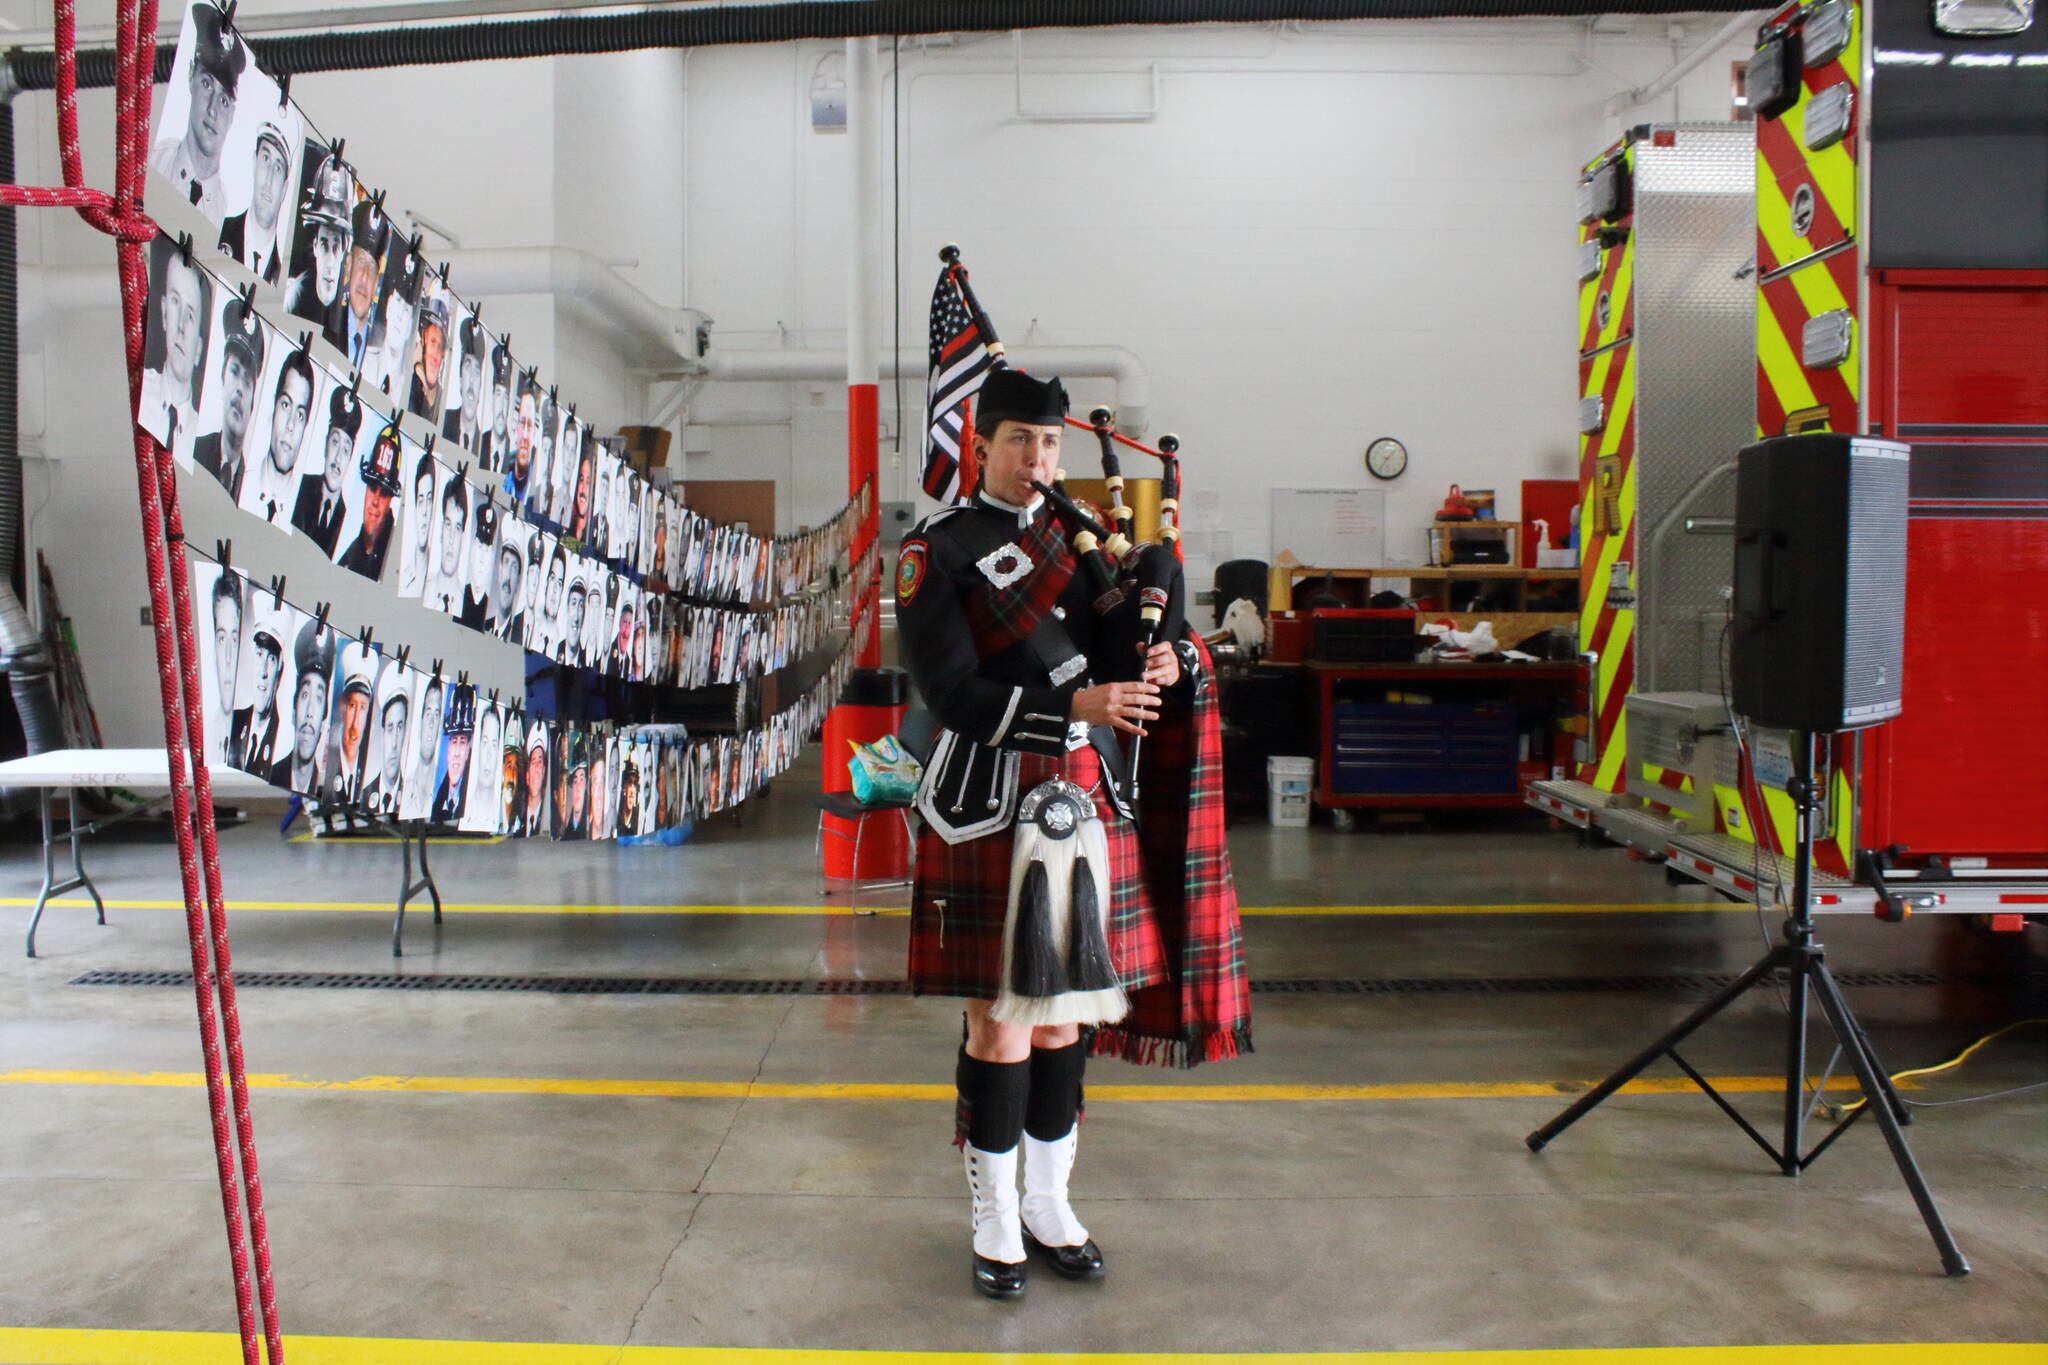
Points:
x=1386 y=458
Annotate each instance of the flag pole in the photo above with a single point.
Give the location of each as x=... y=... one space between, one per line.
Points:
x=949 y=254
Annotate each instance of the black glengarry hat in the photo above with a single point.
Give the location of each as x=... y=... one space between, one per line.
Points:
x=1013 y=396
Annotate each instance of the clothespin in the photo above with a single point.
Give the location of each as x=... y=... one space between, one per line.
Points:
x=355 y=384
x=284 y=90
x=444 y=274
x=335 y=150
x=417 y=238
x=429 y=447
x=555 y=393
x=462 y=470
x=404 y=653
x=227 y=14
x=462 y=678
x=494 y=696
x=320 y=610
x=185 y=246
x=248 y=292
x=306 y=340
x=378 y=200
x=505 y=340
x=223 y=552
x=277 y=592
x=364 y=636
x=476 y=310
x=437 y=668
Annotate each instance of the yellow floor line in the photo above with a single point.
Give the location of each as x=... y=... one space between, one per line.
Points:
x=384 y=907
x=83 y=1346
x=843 y=1090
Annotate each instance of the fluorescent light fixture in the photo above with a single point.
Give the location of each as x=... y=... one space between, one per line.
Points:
x=1891 y=56
x=1589 y=260
x=1981 y=59
x=1828 y=25
x=1827 y=115
x=1983 y=18
x=1825 y=340
x=1592 y=414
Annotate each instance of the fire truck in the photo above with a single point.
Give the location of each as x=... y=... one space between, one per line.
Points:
x=1896 y=284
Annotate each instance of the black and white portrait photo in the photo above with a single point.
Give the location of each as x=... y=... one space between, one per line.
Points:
x=491 y=449
x=393 y=333
x=194 y=148
x=423 y=746
x=298 y=769
x=178 y=325
x=418 y=512
x=481 y=563
x=319 y=510
x=390 y=728
x=449 y=577
x=235 y=414
x=320 y=244
x=257 y=235
x=462 y=419
x=223 y=596
x=259 y=726
x=291 y=392
x=427 y=389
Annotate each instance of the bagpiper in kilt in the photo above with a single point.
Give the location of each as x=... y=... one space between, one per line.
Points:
x=1005 y=641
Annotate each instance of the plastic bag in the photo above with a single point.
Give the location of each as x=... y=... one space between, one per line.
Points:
x=883 y=771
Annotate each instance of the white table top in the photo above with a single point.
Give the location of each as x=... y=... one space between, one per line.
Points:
x=137 y=769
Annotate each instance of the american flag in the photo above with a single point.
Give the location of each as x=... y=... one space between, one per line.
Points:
x=959 y=360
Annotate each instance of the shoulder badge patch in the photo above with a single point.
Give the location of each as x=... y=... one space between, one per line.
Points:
x=909 y=570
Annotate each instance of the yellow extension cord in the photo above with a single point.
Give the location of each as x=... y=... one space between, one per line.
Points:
x=1951 y=1063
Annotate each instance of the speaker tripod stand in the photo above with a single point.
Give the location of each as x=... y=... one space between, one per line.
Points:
x=1802 y=959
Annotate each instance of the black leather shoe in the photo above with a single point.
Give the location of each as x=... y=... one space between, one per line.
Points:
x=1083 y=1262
x=999 y=1279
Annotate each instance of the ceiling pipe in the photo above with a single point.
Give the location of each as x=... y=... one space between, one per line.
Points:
x=1684 y=66
x=1133 y=381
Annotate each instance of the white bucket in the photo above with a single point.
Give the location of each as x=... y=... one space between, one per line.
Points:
x=1288 y=783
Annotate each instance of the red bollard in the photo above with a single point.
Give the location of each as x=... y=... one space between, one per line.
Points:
x=870 y=705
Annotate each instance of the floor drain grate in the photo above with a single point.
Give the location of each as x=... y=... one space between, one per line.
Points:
x=1692 y=983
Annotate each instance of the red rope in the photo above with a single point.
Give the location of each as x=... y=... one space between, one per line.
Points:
x=177 y=651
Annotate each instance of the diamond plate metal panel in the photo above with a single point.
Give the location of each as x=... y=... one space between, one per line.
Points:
x=1695 y=227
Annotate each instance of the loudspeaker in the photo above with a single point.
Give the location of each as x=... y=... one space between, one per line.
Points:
x=1820 y=581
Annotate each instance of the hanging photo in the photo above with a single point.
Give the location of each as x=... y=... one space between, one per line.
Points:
x=299 y=769
x=599 y=826
x=547 y=631
x=537 y=784
x=599 y=542
x=427 y=389
x=569 y=645
x=390 y=731
x=451 y=774
x=220 y=663
x=525 y=435
x=327 y=198
x=230 y=420
x=541 y=481
x=362 y=290
x=178 y=327
x=394 y=335
x=371 y=488
x=291 y=388
x=417 y=520
x=603 y=618
x=259 y=728
x=492 y=451
x=462 y=419
x=483 y=807
x=568 y=469
x=211 y=108
x=508 y=578
x=523 y=626
x=422 y=762
x=511 y=774
x=621 y=665
x=650 y=525
x=572 y=783
x=347 y=761
x=477 y=612
x=449 y=578
x=258 y=236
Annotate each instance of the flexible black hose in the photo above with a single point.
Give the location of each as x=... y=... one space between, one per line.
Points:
x=571 y=35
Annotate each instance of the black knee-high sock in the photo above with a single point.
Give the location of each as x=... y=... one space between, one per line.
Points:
x=990 y=1111
x=1055 y=1102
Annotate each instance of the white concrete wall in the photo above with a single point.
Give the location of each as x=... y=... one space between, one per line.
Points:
x=1325 y=234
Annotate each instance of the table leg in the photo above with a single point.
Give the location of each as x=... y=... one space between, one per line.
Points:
x=79 y=876
x=51 y=886
x=407 y=887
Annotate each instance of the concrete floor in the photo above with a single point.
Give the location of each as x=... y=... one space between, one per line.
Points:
x=1281 y=1223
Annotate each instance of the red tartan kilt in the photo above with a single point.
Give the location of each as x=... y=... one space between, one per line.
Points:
x=956 y=948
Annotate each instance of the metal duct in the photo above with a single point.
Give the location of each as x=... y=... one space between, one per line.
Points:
x=29 y=671
x=570 y=35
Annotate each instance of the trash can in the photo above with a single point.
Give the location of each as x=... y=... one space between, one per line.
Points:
x=870 y=705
